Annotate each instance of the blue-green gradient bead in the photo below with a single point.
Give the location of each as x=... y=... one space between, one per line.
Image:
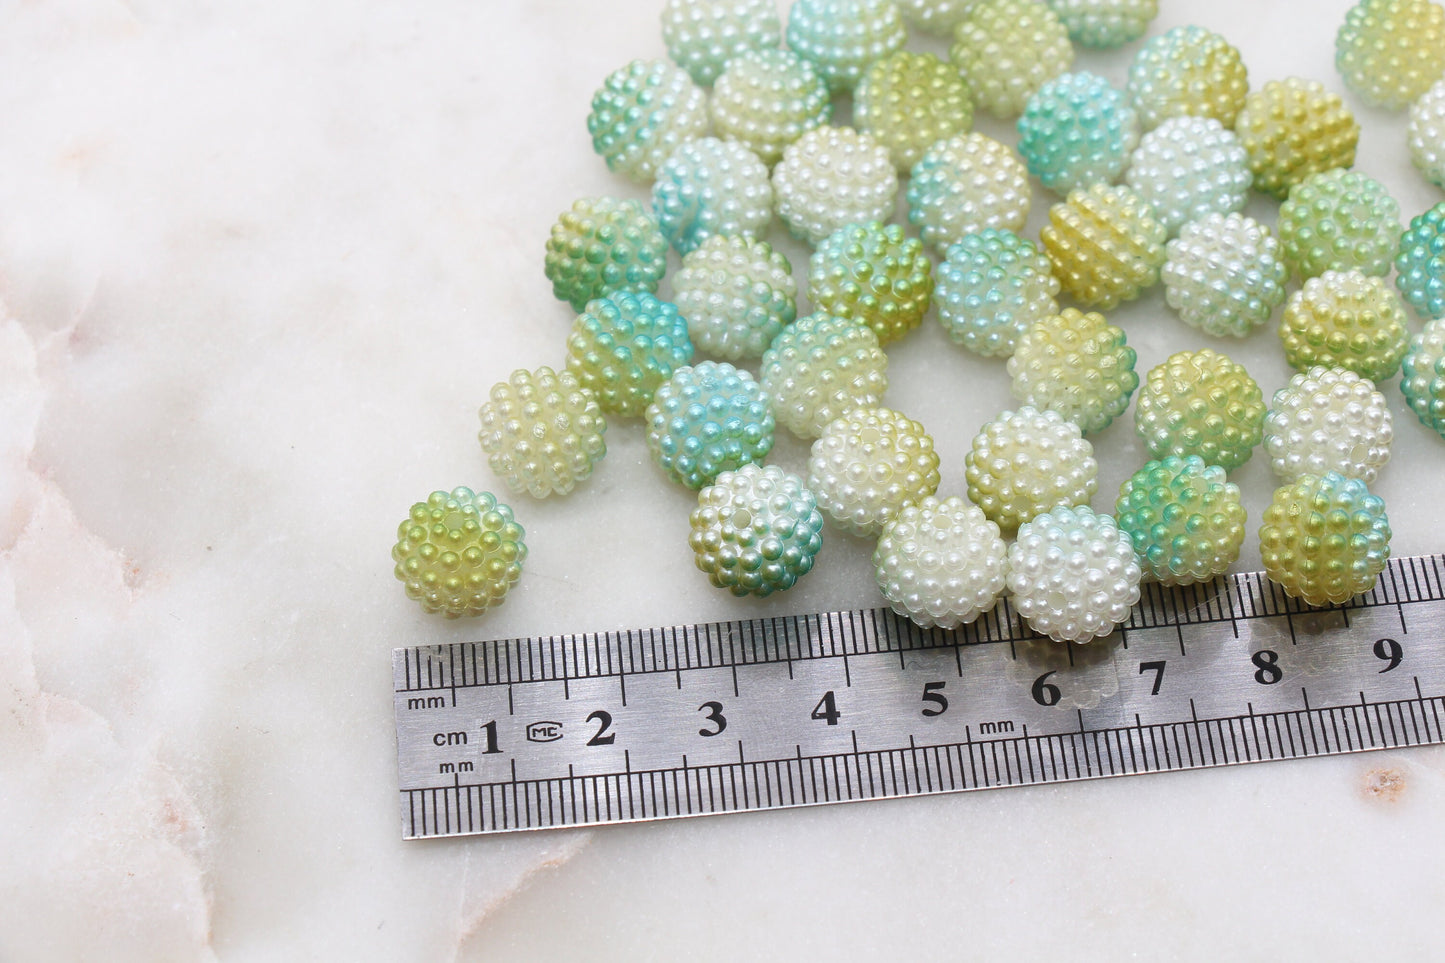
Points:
x=624 y=346
x=1420 y=263
x=1423 y=378
x=711 y=187
x=1076 y=130
x=756 y=530
x=1184 y=517
x=992 y=288
x=966 y=183
x=708 y=419
x=842 y=37
x=602 y=245
x=1325 y=538
x=1105 y=23
x=703 y=35
x=641 y=113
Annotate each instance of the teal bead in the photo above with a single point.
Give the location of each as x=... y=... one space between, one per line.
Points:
x=1184 y=517
x=1105 y=23
x=842 y=37
x=708 y=419
x=1423 y=378
x=603 y=245
x=702 y=36
x=992 y=288
x=1077 y=130
x=1339 y=220
x=1420 y=263
x=756 y=530
x=640 y=115
x=711 y=187
x=624 y=346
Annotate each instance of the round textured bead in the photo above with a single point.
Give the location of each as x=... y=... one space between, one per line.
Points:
x=992 y=288
x=708 y=419
x=1188 y=167
x=1105 y=23
x=736 y=294
x=1224 y=274
x=821 y=367
x=1348 y=320
x=1078 y=365
x=1420 y=263
x=833 y=176
x=1184 y=518
x=1188 y=71
x=766 y=99
x=1426 y=134
x=1390 y=51
x=842 y=37
x=907 y=101
x=1328 y=419
x=1325 y=538
x=642 y=112
x=542 y=432
x=868 y=464
x=702 y=36
x=1007 y=49
x=965 y=184
x=1077 y=130
x=459 y=552
x=709 y=187
x=1423 y=376
x=1201 y=403
x=874 y=274
x=1104 y=244
x=1027 y=461
x=624 y=346
x=941 y=563
x=1073 y=574
x=604 y=245
x=1338 y=220
x=1293 y=128
x=756 y=530
x=937 y=17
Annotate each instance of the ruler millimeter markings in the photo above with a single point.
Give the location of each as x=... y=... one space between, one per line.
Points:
x=757 y=714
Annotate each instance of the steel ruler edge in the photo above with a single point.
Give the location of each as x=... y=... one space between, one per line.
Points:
x=756 y=714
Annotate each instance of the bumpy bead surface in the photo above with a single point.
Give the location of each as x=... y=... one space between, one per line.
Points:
x=833 y=176
x=756 y=530
x=842 y=37
x=1073 y=574
x=941 y=563
x=1104 y=244
x=604 y=245
x=459 y=552
x=908 y=101
x=708 y=419
x=1325 y=538
x=1338 y=220
x=821 y=367
x=1188 y=167
x=1224 y=274
x=965 y=184
x=1105 y=23
x=624 y=346
x=703 y=36
x=1426 y=134
x=1293 y=128
x=1348 y=320
x=1423 y=378
x=1390 y=51
x=992 y=288
x=937 y=17
x=709 y=187
x=1078 y=365
x=874 y=274
x=542 y=432
x=1027 y=461
x=1184 y=518
x=1188 y=71
x=1201 y=403
x=736 y=294
x=1328 y=419
x=640 y=115
x=868 y=464
x=1007 y=49
x=766 y=99
x=1420 y=263
x=1077 y=130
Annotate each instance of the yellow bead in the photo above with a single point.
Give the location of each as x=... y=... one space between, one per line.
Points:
x=1105 y=245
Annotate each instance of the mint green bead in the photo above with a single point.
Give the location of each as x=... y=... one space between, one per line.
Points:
x=1420 y=263
x=708 y=419
x=1339 y=220
x=709 y=187
x=756 y=530
x=992 y=288
x=603 y=245
x=1423 y=379
x=875 y=274
x=842 y=37
x=624 y=346
x=1201 y=403
x=640 y=115
x=702 y=36
x=1077 y=130
x=908 y=101
x=1007 y=49
x=459 y=552
x=737 y=294
x=1105 y=23
x=1078 y=365
x=1184 y=517
x=766 y=99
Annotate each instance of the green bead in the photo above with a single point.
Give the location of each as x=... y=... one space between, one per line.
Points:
x=737 y=294
x=459 y=552
x=1347 y=320
x=640 y=115
x=1105 y=23
x=1325 y=538
x=1076 y=364
x=873 y=274
x=756 y=530
x=1007 y=49
x=908 y=101
x=1337 y=221
x=1201 y=403
x=1185 y=519
x=542 y=432
x=624 y=346
x=1105 y=245
x=702 y=36
x=1293 y=128
x=1187 y=72
x=1423 y=379
x=706 y=420
x=767 y=99
x=1391 y=51
x=842 y=37
x=604 y=245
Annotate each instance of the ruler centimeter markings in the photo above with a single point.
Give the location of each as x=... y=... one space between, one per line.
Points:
x=770 y=713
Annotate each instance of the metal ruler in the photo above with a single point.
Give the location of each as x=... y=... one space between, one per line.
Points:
x=614 y=727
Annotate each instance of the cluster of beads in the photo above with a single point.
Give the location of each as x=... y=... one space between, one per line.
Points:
x=908 y=101
x=756 y=530
x=640 y=115
x=1027 y=461
x=833 y=176
x=1348 y=320
x=1328 y=419
x=1077 y=130
x=1293 y=128
x=1073 y=574
x=993 y=287
x=603 y=245
x=1423 y=378
x=1337 y=221
x=842 y=37
x=1426 y=134
x=1325 y=538
x=1105 y=23
x=459 y=552
x=1390 y=51
x=868 y=464
x=940 y=562
x=821 y=367
x=624 y=346
x=766 y=99
x=1007 y=49
x=1224 y=274
x=1104 y=244
x=1420 y=263
x=702 y=36
x=1188 y=71
x=1187 y=168
x=965 y=184
x=542 y=432
x=1201 y=403
x=706 y=420
x=736 y=294
x=1078 y=365
x=710 y=187
x=1184 y=518
x=875 y=274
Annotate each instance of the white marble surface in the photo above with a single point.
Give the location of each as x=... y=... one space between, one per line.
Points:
x=259 y=264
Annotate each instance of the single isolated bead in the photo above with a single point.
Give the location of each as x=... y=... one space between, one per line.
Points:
x=1188 y=167
x=868 y=464
x=707 y=419
x=459 y=552
x=1293 y=128
x=710 y=187
x=1185 y=519
x=1105 y=245
x=1426 y=134
x=1328 y=419
x=833 y=176
x=907 y=101
x=842 y=37
x=1337 y=221
x=1007 y=49
x=941 y=563
x=640 y=115
x=1078 y=365
x=1201 y=403
x=736 y=294
x=542 y=432
x=766 y=99
x=1391 y=51
x=756 y=530
x=992 y=288
x=1423 y=376
x=1345 y=319
x=603 y=245
x=1325 y=538
x=1028 y=461
x=875 y=274
x=703 y=36
x=821 y=367
x=1189 y=71
x=1073 y=574
x=624 y=346
x=1105 y=23
x=1077 y=130
x=964 y=184
x=1224 y=274
x=1420 y=263
x=937 y=17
